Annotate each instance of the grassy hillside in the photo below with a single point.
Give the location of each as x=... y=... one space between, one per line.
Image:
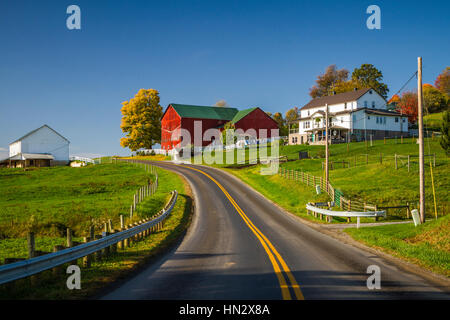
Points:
x=116 y=266
x=51 y=199
x=368 y=173
x=433 y=121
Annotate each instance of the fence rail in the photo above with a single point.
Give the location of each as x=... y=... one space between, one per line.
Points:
x=348 y=214
x=29 y=267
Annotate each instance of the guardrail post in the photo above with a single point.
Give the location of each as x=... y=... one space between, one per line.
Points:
x=357 y=222
x=349 y=209
x=121 y=243
x=56 y=270
x=31 y=245
x=106 y=250
x=86 y=259
x=98 y=254
x=126 y=242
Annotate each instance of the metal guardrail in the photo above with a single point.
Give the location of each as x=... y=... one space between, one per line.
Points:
x=347 y=214
x=26 y=268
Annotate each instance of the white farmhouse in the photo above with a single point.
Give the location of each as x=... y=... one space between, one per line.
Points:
x=356 y=115
x=40 y=148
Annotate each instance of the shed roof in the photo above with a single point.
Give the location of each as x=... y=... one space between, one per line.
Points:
x=31 y=156
x=204 y=112
x=35 y=130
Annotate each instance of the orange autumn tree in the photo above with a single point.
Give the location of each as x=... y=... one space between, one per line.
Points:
x=141 y=120
x=408 y=105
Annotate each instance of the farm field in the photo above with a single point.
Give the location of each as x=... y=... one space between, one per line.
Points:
x=49 y=200
x=102 y=273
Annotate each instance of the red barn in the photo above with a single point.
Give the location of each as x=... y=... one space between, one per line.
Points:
x=180 y=116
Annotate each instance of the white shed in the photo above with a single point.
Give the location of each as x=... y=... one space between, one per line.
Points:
x=42 y=141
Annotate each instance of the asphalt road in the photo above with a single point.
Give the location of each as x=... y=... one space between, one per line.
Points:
x=241 y=246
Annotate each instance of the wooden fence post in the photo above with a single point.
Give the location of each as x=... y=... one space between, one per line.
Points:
x=86 y=259
x=31 y=245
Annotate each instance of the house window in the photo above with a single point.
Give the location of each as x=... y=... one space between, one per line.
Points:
x=404 y=120
x=342 y=119
x=396 y=119
x=354 y=118
x=378 y=121
x=365 y=104
x=384 y=120
x=370 y=91
x=368 y=117
x=308 y=112
x=345 y=105
x=373 y=104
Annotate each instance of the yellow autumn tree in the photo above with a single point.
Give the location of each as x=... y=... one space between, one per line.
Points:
x=141 y=120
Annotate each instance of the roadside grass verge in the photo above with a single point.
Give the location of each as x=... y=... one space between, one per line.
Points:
x=427 y=245
x=117 y=266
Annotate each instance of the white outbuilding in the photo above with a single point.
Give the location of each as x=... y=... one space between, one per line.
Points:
x=41 y=147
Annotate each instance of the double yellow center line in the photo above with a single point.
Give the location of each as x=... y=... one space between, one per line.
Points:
x=268 y=247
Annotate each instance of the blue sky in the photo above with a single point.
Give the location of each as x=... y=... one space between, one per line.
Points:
x=250 y=53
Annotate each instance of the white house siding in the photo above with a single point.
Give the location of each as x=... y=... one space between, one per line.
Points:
x=372 y=101
x=15 y=148
x=45 y=140
x=369 y=122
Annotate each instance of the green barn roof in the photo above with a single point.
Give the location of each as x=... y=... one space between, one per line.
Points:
x=204 y=112
x=241 y=114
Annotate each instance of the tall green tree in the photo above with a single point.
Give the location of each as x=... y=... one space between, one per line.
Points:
x=141 y=120
x=445 y=130
x=434 y=100
x=278 y=117
x=369 y=76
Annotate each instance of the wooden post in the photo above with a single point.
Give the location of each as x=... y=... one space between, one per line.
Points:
x=31 y=245
x=86 y=259
x=121 y=243
x=56 y=270
x=326 y=143
x=98 y=254
x=69 y=243
x=421 y=146
x=110 y=225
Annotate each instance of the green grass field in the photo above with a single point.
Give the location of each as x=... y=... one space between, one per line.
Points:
x=49 y=200
x=433 y=121
x=106 y=271
x=427 y=245
x=368 y=173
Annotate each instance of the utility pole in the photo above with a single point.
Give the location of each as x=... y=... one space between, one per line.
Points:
x=326 y=145
x=421 y=154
